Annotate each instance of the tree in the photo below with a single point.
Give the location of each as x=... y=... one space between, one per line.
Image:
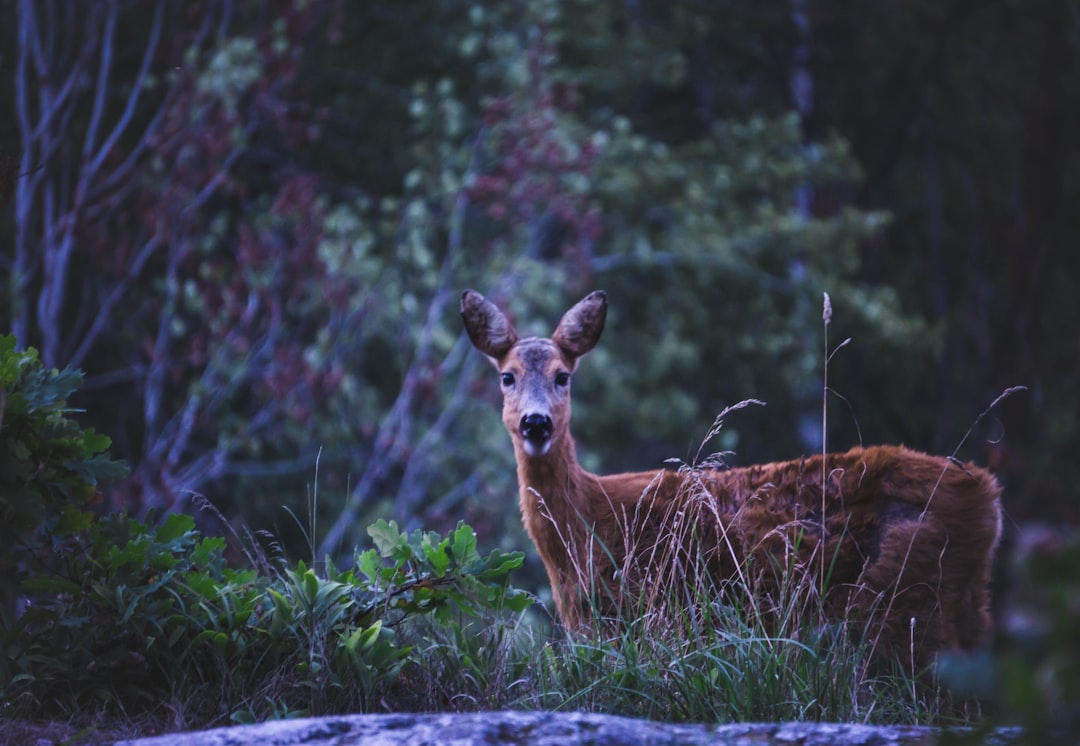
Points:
x=83 y=136
x=974 y=161
x=268 y=258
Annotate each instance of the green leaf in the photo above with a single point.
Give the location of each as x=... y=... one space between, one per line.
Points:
x=437 y=555
x=95 y=442
x=464 y=544
x=516 y=600
x=497 y=563
x=208 y=551
x=176 y=526
x=368 y=563
x=310 y=586
x=131 y=553
x=388 y=540
x=283 y=610
x=369 y=636
x=202 y=584
x=73 y=520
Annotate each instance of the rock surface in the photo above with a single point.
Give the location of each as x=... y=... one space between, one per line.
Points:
x=548 y=729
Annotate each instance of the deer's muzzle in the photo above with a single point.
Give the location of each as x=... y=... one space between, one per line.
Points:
x=536 y=430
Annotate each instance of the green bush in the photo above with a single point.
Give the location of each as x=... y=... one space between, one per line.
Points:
x=1032 y=679
x=120 y=617
x=148 y=615
x=50 y=467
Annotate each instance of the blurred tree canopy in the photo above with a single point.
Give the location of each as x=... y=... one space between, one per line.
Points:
x=249 y=224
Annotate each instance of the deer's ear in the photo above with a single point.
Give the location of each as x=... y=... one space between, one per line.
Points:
x=580 y=327
x=488 y=328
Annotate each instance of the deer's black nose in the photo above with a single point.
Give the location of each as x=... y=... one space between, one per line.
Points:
x=536 y=427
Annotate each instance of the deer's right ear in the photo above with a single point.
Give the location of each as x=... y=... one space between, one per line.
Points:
x=488 y=328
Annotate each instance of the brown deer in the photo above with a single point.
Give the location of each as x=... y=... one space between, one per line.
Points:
x=900 y=539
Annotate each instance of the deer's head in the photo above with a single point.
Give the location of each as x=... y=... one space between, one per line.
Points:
x=534 y=371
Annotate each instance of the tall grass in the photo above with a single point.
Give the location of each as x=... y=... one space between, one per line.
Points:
x=714 y=658
x=671 y=641
x=720 y=651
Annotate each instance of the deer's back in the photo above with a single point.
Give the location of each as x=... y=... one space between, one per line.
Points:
x=904 y=535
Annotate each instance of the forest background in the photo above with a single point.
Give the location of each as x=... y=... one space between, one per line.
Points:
x=249 y=224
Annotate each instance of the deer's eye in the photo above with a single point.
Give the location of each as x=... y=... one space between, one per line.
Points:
x=507 y=379
x=562 y=378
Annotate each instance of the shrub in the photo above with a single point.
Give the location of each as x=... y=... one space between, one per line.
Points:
x=144 y=616
x=120 y=616
x=50 y=467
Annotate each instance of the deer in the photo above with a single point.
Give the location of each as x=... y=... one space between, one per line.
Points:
x=897 y=538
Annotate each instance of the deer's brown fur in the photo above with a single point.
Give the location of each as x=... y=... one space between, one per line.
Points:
x=907 y=536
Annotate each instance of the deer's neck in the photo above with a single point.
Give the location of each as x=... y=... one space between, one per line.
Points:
x=552 y=486
x=556 y=499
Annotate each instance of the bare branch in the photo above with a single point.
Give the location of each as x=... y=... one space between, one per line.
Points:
x=418 y=469
x=137 y=89
x=101 y=89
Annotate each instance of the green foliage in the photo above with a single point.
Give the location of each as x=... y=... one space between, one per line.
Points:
x=423 y=572
x=143 y=615
x=50 y=467
x=1032 y=678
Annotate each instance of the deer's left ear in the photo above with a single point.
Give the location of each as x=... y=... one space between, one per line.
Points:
x=489 y=329
x=581 y=326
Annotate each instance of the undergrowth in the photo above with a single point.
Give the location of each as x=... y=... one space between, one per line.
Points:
x=685 y=646
x=712 y=663
x=155 y=619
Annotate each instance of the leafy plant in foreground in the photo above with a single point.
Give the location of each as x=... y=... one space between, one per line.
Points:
x=50 y=467
x=422 y=571
x=144 y=615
